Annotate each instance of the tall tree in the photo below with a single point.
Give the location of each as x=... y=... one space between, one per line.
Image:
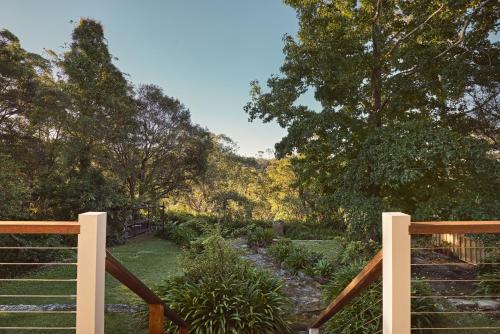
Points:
x=416 y=68
x=164 y=151
x=101 y=106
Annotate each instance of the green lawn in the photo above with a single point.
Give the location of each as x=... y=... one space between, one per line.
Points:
x=329 y=248
x=149 y=258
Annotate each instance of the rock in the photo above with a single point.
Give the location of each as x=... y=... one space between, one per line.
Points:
x=462 y=304
x=488 y=305
x=112 y=308
x=279 y=228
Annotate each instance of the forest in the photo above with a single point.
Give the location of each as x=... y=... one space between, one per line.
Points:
x=409 y=122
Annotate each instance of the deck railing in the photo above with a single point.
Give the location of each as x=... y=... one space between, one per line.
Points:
x=157 y=308
x=395 y=266
x=92 y=262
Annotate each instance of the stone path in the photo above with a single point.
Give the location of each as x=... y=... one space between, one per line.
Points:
x=303 y=290
x=110 y=308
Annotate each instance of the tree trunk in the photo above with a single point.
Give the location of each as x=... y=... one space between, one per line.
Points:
x=376 y=75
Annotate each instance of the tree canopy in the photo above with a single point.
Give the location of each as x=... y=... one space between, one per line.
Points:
x=76 y=135
x=408 y=91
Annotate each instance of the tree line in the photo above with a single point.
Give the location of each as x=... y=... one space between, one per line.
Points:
x=409 y=117
x=76 y=136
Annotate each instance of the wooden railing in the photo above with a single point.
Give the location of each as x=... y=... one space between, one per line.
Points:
x=395 y=268
x=92 y=262
x=157 y=308
x=370 y=273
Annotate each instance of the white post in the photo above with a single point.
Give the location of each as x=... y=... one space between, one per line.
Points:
x=313 y=330
x=396 y=273
x=91 y=273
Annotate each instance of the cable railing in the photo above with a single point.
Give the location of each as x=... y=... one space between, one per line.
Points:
x=44 y=301
x=456 y=280
x=370 y=274
x=157 y=308
x=436 y=277
x=66 y=296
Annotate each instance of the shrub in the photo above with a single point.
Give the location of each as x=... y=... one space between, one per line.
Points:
x=488 y=274
x=280 y=250
x=354 y=318
x=323 y=268
x=309 y=231
x=260 y=237
x=181 y=235
x=220 y=293
x=360 y=316
x=362 y=251
x=294 y=257
x=298 y=259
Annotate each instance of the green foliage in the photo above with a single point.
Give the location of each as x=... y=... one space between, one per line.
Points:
x=360 y=316
x=409 y=114
x=488 y=273
x=237 y=188
x=356 y=250
x=181 y=234
x=218 y=289
x=75 y=136
x=323 y=268
x=260 y=237
x=296 y=258
x=281 y=249
x=14 y=195
x=297 y=230
x=356 y=317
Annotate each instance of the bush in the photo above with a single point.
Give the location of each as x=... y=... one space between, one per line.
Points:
x=309 y=231
x=280 y=250
x=260 y=237
x=220 y=293
x=354 y=317
x=299 y=259
x=488 y=274
x=295 y=258
x=358 y=250
x=323 y=268
x=181 y=235
x=358 y=315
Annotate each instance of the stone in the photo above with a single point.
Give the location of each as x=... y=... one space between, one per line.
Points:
x=462 y=304
x=488 y=305
x=279 y=228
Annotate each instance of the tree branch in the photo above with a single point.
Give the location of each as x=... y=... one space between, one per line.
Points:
x=461 y=36
x=414 y=30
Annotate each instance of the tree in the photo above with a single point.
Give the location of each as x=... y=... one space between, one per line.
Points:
x=165 y=149
x=224 y=187
x=376 y=66
x=285 y=200
x=101 y=102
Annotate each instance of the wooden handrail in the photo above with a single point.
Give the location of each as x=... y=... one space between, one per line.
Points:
x=367 y=276
x=39 y=227
x=156 y=306
x=459 y=227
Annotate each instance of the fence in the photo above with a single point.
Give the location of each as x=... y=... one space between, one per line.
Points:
x=92 y=261
x=463 y=247
x=464 y=298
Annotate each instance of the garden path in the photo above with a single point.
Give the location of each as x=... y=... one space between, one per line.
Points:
x=304 y=291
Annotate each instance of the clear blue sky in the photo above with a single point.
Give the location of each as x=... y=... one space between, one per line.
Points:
x=203 y=52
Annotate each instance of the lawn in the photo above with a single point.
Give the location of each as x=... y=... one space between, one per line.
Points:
x=149 y=258
x=329 y=248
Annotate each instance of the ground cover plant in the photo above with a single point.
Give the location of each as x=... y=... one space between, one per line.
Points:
x=218 y=289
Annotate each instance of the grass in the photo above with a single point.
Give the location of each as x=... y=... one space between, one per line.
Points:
x=329 y=248
x=149 y=258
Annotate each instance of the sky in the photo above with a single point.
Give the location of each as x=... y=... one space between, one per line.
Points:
x=203 y=52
